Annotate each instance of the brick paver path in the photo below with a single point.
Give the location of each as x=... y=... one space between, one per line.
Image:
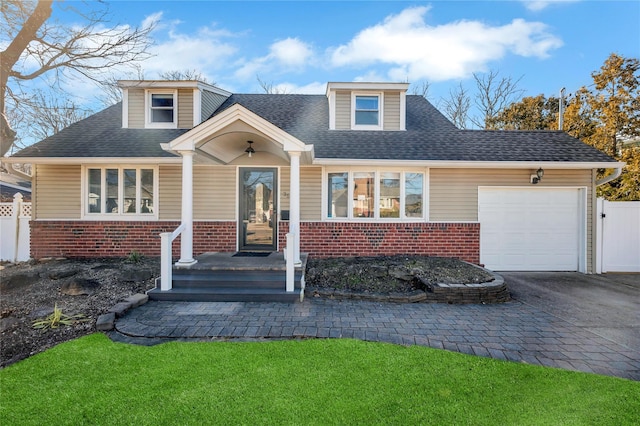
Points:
x=510 y=331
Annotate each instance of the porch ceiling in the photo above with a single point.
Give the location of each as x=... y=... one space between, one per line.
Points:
x=227 y=147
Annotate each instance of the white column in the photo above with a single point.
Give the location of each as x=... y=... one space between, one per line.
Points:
x=294 y=204
x=186 y=239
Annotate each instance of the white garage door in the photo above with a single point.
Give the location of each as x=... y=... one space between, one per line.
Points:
x=529 y=229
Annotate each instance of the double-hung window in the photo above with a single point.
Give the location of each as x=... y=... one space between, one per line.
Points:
x=375 y=194
x=161 y=111
x=366 y=112
x=125 y=192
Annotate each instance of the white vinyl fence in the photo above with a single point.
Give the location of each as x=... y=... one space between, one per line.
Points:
x=14 y=230
x=618 y=248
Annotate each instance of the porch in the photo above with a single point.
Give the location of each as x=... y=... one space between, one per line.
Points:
x=233 y=277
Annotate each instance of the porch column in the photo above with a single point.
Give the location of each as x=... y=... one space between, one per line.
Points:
x=294 y=204
x=186 y=241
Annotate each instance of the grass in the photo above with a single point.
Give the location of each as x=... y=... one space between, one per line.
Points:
x=92 y=380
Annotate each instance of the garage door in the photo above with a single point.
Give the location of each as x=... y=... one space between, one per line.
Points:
x=529 y=229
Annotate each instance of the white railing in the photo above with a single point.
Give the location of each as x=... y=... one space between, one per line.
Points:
x=166 y=264
x=289 y=255
x=15 y=231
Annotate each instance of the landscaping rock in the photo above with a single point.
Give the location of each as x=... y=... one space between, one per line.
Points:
x=119 y=309
x=18 y=281
x=106 y=322
x=79 y=286
x=137 y=299
x=63 y=272
x=136 y=275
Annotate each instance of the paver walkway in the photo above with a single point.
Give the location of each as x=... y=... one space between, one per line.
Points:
x=510 y=331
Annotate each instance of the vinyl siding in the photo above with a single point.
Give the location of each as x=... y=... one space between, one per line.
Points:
x=215 y=193
x=285 y=187
x=310 y=193
x=391 y=111
x=343 y=110
x=57 y=191
x=453 y=193
x=185 y=108
x=136 y=108
x=210 y=102
x=170 y=196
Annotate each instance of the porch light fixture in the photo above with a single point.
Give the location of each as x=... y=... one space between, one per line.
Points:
x=250 y=149
x=538 y=176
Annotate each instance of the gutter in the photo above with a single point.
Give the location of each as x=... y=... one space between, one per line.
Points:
x=615 y=175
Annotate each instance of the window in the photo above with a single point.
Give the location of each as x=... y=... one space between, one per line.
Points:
x=367 y=113
x=120 y=191
x=161 y=109
x=377 y=194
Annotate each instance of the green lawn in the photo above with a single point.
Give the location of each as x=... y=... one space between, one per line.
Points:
x=95 y=381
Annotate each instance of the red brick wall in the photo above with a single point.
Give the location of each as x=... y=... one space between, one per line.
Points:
x=319 y=239
x=333 y=239
x=119 y=238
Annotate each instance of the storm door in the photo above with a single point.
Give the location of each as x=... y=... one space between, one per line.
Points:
x=258 y=210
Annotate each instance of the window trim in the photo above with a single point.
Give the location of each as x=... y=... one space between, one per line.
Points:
x=147 y=109
x=377 y=174
x=120 y=216
x=380 y=125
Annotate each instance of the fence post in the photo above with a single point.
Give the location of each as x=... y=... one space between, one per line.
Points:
x=15 y=217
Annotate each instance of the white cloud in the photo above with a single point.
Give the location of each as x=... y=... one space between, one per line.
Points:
x=537 y=5
x=291 y=53
x=314 y=88
x=416 y=50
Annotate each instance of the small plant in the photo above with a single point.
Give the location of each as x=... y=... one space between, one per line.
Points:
x=135 y=257
x=57 y=318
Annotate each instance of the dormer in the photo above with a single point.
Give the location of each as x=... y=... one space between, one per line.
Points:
x=164 y=104
x=367 y=106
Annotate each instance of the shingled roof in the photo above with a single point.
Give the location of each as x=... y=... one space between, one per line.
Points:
x=429 y=136
x=101 y=135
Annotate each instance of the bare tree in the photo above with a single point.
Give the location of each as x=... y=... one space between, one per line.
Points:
x=494 y=94
x=39 y=49
x=271 y=88
x=456 y=106
x=421 y=89
x=185 y=75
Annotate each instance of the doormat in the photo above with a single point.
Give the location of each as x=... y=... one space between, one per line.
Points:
x=252 y=254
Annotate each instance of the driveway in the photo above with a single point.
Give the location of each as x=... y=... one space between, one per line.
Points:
x=565 y=320
x=607 y=305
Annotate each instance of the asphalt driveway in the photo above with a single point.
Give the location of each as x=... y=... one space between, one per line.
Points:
x=607 y=305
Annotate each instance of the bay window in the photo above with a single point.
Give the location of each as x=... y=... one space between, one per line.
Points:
x=126 y=191
x=375 y=194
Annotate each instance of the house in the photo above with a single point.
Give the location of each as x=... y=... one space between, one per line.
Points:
x=364 y=169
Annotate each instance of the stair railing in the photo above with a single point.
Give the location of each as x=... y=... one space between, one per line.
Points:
x=289 y=255
x=166 y=265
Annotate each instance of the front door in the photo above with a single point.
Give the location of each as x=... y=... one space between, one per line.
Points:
x=258 y=210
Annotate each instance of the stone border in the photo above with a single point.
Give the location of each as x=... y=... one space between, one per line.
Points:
x=489 y=292
x=106 y=322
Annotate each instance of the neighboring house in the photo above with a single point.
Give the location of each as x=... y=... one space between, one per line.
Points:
x=364 y=170
x=10 y=185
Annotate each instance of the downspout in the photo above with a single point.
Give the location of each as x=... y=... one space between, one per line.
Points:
x=615 y=175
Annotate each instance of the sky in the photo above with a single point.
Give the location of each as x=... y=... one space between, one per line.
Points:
x=299 y=46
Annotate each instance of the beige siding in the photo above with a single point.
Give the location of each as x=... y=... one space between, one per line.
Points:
x=210 y=102
x=214 y=193
x=185 y=108
x=343 y=110
x=136 y=108
x=57 y=192
x=170 y=196
x=391 y=111
x=453 y=193
x=310 y=193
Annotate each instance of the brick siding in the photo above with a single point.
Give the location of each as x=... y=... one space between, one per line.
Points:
x=334 y=239
x=82 y=239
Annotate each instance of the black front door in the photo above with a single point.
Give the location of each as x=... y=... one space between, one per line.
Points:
x=257 y=216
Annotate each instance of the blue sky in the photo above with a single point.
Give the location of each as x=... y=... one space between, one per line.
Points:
x=301 y=45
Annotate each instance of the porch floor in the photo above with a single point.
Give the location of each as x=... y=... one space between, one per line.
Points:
x=223 y=277
x=229 y=262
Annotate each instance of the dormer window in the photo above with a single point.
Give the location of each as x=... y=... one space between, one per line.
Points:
x=366 y=111
x=161 y=110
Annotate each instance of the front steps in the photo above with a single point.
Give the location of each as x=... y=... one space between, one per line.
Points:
x=219 y=277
